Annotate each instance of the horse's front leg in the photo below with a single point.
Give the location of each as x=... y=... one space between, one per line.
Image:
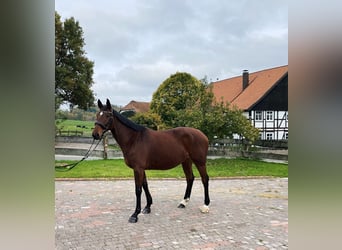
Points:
x=138 y=177
x=147 y=209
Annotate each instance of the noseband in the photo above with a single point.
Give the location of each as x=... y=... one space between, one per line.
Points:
x=106 y=126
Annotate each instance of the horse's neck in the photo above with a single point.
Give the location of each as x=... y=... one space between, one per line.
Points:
x=123 y=135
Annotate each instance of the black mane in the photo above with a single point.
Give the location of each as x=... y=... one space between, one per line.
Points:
x=127 y=122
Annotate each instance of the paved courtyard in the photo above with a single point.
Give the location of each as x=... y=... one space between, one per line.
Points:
x=244 y=214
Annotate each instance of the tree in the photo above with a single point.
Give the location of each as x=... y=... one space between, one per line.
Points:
x=150 y=120
x=73 y=70
x=177 y=93
x=182 y=100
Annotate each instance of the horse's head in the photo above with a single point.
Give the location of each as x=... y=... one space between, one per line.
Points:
x=104 y=119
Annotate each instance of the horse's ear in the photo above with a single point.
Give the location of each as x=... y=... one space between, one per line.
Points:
x=99 y=104
x=109 y=106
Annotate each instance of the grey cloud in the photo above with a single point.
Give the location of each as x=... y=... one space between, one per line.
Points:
x=137 y=44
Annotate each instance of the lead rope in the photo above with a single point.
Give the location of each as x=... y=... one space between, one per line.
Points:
x=68 y=167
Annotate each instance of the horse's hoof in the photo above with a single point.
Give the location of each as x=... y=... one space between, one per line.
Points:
x=133 y=219
x=183 y=203
x=204 y=209
x=146 y=210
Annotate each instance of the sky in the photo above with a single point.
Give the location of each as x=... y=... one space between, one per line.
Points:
x=137 y=44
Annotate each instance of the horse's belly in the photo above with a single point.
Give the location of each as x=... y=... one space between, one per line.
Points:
x=171 y=159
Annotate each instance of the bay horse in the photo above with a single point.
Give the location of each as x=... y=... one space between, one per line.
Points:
x=144 y=149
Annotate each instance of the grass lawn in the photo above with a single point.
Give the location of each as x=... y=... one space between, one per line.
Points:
x=216 y=168
x=73 y=125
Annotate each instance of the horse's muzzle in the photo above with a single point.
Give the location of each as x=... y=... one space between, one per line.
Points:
x=96 y=136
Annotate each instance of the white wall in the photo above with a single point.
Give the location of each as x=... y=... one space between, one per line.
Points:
x=272 y=124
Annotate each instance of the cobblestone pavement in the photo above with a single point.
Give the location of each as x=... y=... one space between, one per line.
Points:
x=244 y=214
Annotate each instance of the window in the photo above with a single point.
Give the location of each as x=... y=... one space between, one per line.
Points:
x=269 y=136
x=269 y=115
x=258 y=115
x=286 y=136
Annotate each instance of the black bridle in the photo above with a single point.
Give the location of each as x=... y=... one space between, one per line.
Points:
x=108 y=124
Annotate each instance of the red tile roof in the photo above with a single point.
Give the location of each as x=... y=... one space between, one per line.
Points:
x=138 y=107
x=231 y=90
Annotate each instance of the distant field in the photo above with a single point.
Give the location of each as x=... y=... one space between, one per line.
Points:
x=76 y=125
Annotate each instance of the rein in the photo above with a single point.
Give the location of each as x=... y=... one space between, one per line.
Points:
x=68 y=167
x=105 y=127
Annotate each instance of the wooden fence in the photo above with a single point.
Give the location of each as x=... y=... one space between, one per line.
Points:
x=69 y=133
x=108 y=148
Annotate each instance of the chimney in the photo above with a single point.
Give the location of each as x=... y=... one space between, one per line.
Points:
x=245 y=79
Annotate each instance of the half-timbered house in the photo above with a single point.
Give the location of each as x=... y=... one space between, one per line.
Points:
x=263 y=96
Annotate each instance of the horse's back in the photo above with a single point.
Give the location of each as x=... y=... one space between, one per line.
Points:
x=196 y=135
x=168 y=148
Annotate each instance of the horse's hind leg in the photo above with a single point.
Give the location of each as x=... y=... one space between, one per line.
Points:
x=147 y=209
x=205 y=180
x=187 y=168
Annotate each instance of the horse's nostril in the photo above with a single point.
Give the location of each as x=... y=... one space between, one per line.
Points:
x=96 y=136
